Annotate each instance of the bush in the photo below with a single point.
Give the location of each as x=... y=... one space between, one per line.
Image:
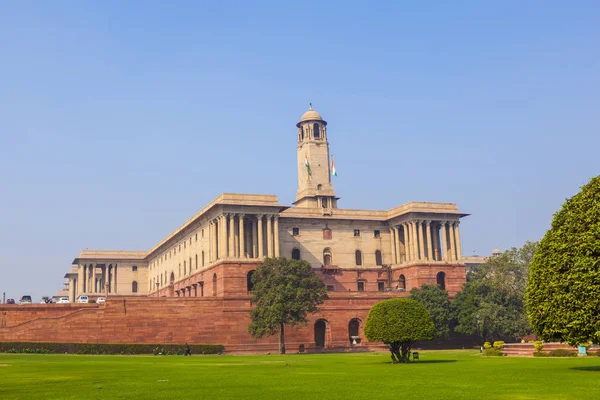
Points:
x=541 y=354
x=539 y=345
x=562 y=353
x=106 y=348
x=492 y=353
x=498 y=344
x=92 y=301
x=487 y=345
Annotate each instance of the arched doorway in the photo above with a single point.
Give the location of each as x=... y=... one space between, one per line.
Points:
x=320 y=329
x=353 y=327
x=441 y=280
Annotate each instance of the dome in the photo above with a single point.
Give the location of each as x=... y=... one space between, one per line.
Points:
x=311 y=115
x=496 y=252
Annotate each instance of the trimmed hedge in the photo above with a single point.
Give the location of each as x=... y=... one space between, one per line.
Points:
x=541 y=354
x=492 y=353
x=562 y=353
x=102 y=348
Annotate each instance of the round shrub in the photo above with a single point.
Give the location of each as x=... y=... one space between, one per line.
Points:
x=539 y=345
x=487 y=345
x=498 y=345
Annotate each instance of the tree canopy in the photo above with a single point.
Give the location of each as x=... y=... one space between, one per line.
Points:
x=436 y=302
x=285 y=291
x=399 y=322
x=563 y=295
x=491 y=303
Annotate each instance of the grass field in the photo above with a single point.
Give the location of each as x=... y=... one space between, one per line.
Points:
x=439 y=375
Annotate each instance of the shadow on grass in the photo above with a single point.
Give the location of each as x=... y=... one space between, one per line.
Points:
x=595 y=368
x=419 y=362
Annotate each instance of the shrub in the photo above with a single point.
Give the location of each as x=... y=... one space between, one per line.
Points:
x=106 y=348
x=541 y=354
x=498 y=344
x=562 y=353
x=539 y=345
x=92 y=301
x=487 y=345
x=492 y=353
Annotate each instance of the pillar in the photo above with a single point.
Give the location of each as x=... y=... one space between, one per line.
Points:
x=242 y=251
x=269 y=236
x=223 y=237
x=261 y=247
x=452 y=251
x=393 y=245
x=444 y=241
x=231 y=250
x=436 y=243
x=254 y=239
x=458 y=248
x=414 y=241
x=93 y=278
x=80 y=280
x=407 y=240
x=421 y=240
x=210 y=236
x=429 y=255
x=276 y=234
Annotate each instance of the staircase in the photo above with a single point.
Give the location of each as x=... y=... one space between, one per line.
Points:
x=527 y=349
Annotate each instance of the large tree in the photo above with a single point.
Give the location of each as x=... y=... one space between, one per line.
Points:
x=563 y=296
x=399 y=323
x=436 y=302
x=284 y=291
x=492 y=303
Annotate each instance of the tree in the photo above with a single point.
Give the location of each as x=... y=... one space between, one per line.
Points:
x=436 y=302
x=492 y=301
x=563 y=296
x=399 y=323
x=285 y=292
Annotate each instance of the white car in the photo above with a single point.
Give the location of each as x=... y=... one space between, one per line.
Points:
x=100 y=300
x=63 y=300
x=83 y=299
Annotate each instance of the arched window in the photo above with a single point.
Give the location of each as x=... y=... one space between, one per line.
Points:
x=249 y=284
x=353 y=326
x=327 y=256
x=358 y=257
x=402 y=282
x=316 y=132
x=378 y=260
x=214 y=285
x=324 y=202
x=441 y=280
x=295 y=254
x=134 y=287
x=319 y=186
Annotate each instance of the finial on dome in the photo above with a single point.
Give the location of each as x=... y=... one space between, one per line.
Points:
x=309 y=106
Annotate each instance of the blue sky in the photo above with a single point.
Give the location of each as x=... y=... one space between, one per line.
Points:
x=119 y=120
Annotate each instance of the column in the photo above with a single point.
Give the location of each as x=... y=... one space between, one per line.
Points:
x=80 y=278
x=261 y=248
x=115 y=279
x=414 y=241
x=393 y=244
x=421 y=240
x=436 y=243
x=407 y=242
x=210 y=236
x=242 y=252
x=452 y=247
x=254 y=239
x=458 y=248
x=221 y=234
x=444 y=242
x=93 y=278
x=429 y=255
x=269 y=236
x=231 y=250
x=276 y=234
x=215 y=240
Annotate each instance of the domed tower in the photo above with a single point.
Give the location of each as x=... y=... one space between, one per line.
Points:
x=314 y=175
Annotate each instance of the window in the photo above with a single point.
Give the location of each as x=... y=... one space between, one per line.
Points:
x=180 y=248
x=134 y=268
x=324 y=202
x=184 y=243
x=214 y=285
x=295 y=231
x=361 y=286
x=402 y=282
x=358 y=257
x=327 y=256
x=134 y=287
x=184 y=269
x=316 y=132
x=295 y=254
x=378 y=260
x=381 y=286
x=441 y=280
x=202 y=232
x=196 y=261
x=356 y=232
x=203 y=258
x=377 y=233
x=249 y=283
x=191 y=264
x=330 y=288
x=319 y=186
x=196 y=237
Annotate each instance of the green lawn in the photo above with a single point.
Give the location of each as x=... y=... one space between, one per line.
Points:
x=439 y=375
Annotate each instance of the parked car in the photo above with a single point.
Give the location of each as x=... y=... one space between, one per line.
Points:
x=63 y=300
x=101 y=300
x=46 y=300
x=25 y=300
x=10 y=301
x=83 y=299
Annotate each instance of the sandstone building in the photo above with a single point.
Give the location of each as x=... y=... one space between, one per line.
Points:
x=204 y=266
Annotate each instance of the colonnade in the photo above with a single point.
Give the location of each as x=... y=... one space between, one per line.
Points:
x=237 y=235
x=419 y=240
x=92 y=282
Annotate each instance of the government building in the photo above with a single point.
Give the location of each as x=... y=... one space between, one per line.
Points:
x=201 y=272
